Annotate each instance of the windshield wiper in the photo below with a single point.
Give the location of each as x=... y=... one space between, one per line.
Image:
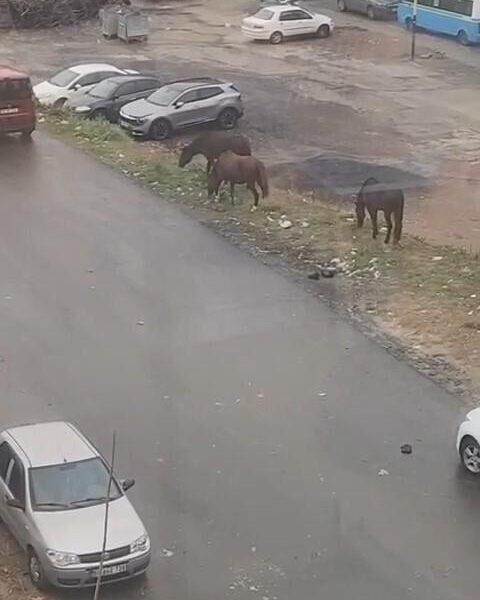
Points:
x=59 y=504
x=91 y=500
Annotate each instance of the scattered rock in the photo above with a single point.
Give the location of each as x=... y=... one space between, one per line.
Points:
x=140 y=322
x=437 y=258
x=406 y=449
x=315 y=275
x=167 y=553
x=328 y=272
x=285 y=223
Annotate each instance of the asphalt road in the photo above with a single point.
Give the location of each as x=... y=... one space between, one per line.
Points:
x=254 y=419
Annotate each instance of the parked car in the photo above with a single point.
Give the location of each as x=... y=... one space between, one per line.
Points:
x=17 y=110
x=374 y=9
x=53 y=489
x=468 y=441
x=106 y=98
x=277 y=22
x=61 y=86
x=182 y=104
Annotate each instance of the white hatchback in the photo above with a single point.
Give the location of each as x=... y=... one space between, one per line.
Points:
x=275 y=23
x=468 y=441
x=57 y=90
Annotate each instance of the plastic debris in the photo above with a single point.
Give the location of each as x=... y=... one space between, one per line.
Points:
x=383 y=473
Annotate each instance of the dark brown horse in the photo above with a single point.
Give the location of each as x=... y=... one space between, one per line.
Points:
x=234 y=169
x=373 y=198
x=211 y=144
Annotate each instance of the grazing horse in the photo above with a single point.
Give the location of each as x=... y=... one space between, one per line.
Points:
x=211 y=144
x=389 y=201
x=238 y=169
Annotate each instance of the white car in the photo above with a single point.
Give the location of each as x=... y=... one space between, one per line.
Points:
x=275 y=23
x=468 y=442
x=57 y=90
x=53 y=491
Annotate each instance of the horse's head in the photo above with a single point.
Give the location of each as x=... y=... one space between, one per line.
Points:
x=185 y=156
x=359 y=209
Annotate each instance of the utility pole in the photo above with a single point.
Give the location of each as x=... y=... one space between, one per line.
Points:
x=105 y=523
x=414 y=29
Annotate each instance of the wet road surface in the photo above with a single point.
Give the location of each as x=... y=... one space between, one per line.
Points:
x=254 y=420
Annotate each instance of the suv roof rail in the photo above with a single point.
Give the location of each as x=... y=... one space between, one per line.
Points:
x=195 y=80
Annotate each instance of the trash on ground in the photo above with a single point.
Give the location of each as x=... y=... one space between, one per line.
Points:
x=383 y=472
x=406 y=449
x=167 y=553
x=285 y=223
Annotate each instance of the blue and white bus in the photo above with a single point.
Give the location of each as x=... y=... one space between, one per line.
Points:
x=459 y=18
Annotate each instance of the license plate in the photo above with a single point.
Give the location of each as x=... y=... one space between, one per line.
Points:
x=113 y=570
x=8 y=111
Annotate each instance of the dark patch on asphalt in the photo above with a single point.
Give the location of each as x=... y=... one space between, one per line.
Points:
x=342 y=175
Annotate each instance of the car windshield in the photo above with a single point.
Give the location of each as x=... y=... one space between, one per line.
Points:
x=71 y=485
x=264 y=14
x=105 y=89
x=63 y=78
x=164 y=96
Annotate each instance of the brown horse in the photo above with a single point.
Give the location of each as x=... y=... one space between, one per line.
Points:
x=211 y=144
x=238 y=169
x=390 y=201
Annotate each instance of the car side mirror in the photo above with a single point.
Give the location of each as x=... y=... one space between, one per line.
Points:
x=127 y=484
x=179 y=104
x=76 y=87
x=14 y=503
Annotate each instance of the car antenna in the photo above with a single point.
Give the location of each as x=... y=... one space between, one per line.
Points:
x=105 y=523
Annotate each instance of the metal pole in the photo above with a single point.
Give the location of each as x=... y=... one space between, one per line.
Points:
x=105 y=524
x=414 y=29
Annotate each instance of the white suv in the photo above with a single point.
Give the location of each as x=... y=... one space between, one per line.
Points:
x=53 y=491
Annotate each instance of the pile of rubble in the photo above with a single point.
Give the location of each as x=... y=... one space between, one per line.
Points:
x=50 y=13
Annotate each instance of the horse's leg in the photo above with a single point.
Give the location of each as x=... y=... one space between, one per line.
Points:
x=253 y=189
x=209 y=165
x=388 y=219
x=397 y=232
x=373 y=212
x=232 y=192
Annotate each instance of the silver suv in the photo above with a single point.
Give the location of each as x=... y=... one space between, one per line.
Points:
x=53 y=489
x=182 y=104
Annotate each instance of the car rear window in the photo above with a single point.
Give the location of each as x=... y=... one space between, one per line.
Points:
x=63 y=78
x=105 y=89
x=15 y=89
x=264 y=14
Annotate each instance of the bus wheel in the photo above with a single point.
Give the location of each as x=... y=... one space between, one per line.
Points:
x=462 y=38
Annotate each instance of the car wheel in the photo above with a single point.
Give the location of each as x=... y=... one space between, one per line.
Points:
x=276 y=37
x=371 y=13
x=470 y=455
x=160 y=130
x=341 y=5
x=228 y=118
x=462 y=38
x=99 y=114
x=36 y=572
x=59 y=103
x=27 y=135
x=323 y=31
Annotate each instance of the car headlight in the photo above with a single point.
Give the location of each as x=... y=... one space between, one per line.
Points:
x=82 y=109
x=62 y=559
x=141 y=544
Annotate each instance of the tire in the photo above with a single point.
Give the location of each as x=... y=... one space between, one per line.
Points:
x=276 y=38
x=323 y=31
x=160 y=130
x=462 y=38
x=371 y=13
x=36 y=572
x=470 y=455
x=341 y=5
x=99 y=114
x=27 y=135
x=59 y=103
x=227 y=119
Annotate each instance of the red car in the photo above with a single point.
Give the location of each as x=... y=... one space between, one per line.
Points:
x=17 y=109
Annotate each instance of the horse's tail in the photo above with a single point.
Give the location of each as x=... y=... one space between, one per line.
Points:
x=262 y=178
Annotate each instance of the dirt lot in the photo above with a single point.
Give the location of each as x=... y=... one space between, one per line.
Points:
x=14 y=585
x=324 y=113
